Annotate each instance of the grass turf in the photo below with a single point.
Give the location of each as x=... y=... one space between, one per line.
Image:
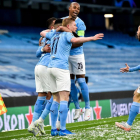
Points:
x=103 y=129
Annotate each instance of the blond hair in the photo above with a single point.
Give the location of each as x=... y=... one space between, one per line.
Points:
x=67 y=21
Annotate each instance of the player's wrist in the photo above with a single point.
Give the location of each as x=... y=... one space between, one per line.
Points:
x=42 y=49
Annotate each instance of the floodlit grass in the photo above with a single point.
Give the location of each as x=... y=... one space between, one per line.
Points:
x=103 y=129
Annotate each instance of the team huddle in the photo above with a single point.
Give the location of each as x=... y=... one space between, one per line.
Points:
x=61 y=62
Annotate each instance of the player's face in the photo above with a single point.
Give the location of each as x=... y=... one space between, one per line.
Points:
x=74 y=10
x=72 y=26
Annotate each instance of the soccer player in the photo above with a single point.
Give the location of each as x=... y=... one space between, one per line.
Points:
x=77 y=66
x=134 y=110
x=58 y=72
x=40 y=122
x=43 y=80
x=41 y=84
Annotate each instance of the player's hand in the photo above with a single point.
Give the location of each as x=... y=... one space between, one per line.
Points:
x=47 y=48
x=98 y=36
x=126 y=69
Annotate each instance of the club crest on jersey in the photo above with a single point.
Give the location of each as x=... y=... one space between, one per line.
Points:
x=80 y=66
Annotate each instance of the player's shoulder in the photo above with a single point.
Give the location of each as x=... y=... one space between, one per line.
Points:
x=68 y=33
x=80 y=24
x=64 y=17
x=79 y=20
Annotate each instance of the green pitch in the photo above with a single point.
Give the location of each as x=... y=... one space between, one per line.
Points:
x=103 y=129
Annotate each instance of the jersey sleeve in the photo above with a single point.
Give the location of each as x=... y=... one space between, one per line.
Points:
x=134 y=68
x=43 y=40
x=69 y=36
x=81 y=29
x=39 y=52
x=50 y=34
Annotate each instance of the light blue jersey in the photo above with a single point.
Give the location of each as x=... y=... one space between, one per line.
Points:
x=44 y=57
x=134 y=68
x=80 y=32
x=60 y=49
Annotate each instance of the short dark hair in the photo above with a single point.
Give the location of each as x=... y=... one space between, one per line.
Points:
x=50 y=21
x=58 y=21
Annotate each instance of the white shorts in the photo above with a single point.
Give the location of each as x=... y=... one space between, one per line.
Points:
x=59 y=79
x=41 y=79
x=77 y=64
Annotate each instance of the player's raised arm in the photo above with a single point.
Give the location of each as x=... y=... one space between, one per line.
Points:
x=86 y=39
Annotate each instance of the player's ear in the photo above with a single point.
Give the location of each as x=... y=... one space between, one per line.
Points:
x=52 y=27
x=68 y=26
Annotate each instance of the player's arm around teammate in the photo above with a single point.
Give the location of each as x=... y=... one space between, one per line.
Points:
x=42 y=50
x=77 y=65
x=59 y=75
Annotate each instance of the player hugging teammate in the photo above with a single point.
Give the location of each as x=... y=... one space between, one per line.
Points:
x=62 y=60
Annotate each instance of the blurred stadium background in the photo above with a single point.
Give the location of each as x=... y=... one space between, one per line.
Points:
x=20 y=24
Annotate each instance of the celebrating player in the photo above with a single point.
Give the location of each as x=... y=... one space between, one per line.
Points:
x=45 y=60
x=77 y=65
x=134 y=110
x=43 y=101
x=58 y=72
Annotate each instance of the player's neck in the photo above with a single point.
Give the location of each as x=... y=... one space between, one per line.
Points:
x=72 y=17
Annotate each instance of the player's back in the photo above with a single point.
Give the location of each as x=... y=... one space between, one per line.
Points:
x=60 y=50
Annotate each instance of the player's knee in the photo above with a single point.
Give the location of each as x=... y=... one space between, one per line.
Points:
x=80 y=76
x=48 y=96
x=64 y=98
x=72 y=76
x=56 y=97
x=136 y=97
x=42 y=94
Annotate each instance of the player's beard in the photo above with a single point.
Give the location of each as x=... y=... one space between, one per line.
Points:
x=74 y=17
